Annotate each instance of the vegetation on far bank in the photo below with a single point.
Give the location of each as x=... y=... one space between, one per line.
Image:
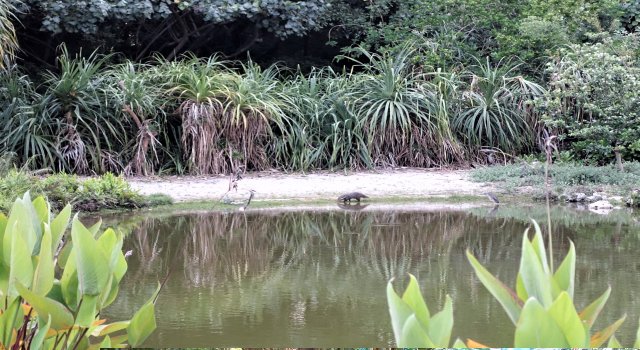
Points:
x=419 y=83
x=565 y=177
x=103 y=192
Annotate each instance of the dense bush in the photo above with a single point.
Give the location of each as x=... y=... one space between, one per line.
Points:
x=564 y=175
x=594 y=99
x=104 y=192
x=208 y=116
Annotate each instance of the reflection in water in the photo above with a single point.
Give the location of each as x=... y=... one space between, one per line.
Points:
x=318 y=278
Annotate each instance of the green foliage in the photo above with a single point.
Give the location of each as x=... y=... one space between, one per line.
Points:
x=413 y=326
x=8 y=40
x=498 y=108
x=564 y=175
x=594 y=98
x=541 y=306
x=54 y=285
x=158 y=199
x=283 y=18
x=631 y=15
x=105 y=192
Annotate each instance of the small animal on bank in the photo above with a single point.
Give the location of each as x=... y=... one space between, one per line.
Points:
x=352 y=195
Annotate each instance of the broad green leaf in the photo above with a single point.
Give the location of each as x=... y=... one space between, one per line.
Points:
x=564 y=313
x=56 y=292
x=459 y=344
x=441 y=324
x=21 y=263
x=398 y=309
x=106 y=343
x=61 y=318
x=41 y=208
x=599 y=338
x=95 y=227
x=520 y=290
x=534 y=279
x=414 y=335
x=110 y=295
x=590 y=313
x=38 y=340
x=505 y=296
x=69 y=283
x=413 y=297
x=117 y=341
x=566 y=272
x=3 y=226
x=8 y=320
x=91 y=264
x=538 y=246
x=59 y=225
x=537 y=329
x=87 y=311
x=64 y=254
x=44 y=270
x=106 y=329
x=614 y=343
x=143 y=323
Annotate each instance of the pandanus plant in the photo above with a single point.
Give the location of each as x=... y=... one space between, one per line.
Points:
x=138 y=100
x=8 y=40
x=403 y=119
x=196 y=86
x=498 y=109
x=73 y=101
x=541 y=307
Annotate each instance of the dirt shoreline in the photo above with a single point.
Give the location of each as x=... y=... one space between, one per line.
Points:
x=274 y=185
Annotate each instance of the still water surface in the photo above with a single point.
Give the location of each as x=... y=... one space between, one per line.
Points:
x=318 y=278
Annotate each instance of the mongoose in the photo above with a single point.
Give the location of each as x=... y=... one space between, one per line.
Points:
x=353 y=195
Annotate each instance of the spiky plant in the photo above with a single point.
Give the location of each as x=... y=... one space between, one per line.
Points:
x=138 y=100
x=398 y=112
x=8 y=40
x=497 y=111
x=196 y=85
x=255 y=109
x=74 y=101
x=328 y=134
x=25 y=131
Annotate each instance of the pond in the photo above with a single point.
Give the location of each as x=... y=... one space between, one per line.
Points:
x=318 y=278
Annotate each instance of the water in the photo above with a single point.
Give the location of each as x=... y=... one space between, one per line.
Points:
x=317 y=279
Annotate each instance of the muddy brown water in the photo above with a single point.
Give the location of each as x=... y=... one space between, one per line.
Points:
x=318 y=278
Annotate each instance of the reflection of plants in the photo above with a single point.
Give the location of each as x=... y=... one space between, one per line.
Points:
x=541 y=307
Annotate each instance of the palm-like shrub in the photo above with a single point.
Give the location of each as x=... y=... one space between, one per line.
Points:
x=86 y=133
x=8 y=40
x=255 y=109
x=25 y=131
x=498 y=111
x=196 y=85
x=399 y=114
x=327 y=132
x=137 y=99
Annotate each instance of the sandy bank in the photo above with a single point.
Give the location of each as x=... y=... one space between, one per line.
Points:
x=318 y=185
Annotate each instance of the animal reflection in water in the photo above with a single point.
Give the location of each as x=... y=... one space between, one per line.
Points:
x=354 y=207
x=241 y=198
x=348 y=197
x=495 y=201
